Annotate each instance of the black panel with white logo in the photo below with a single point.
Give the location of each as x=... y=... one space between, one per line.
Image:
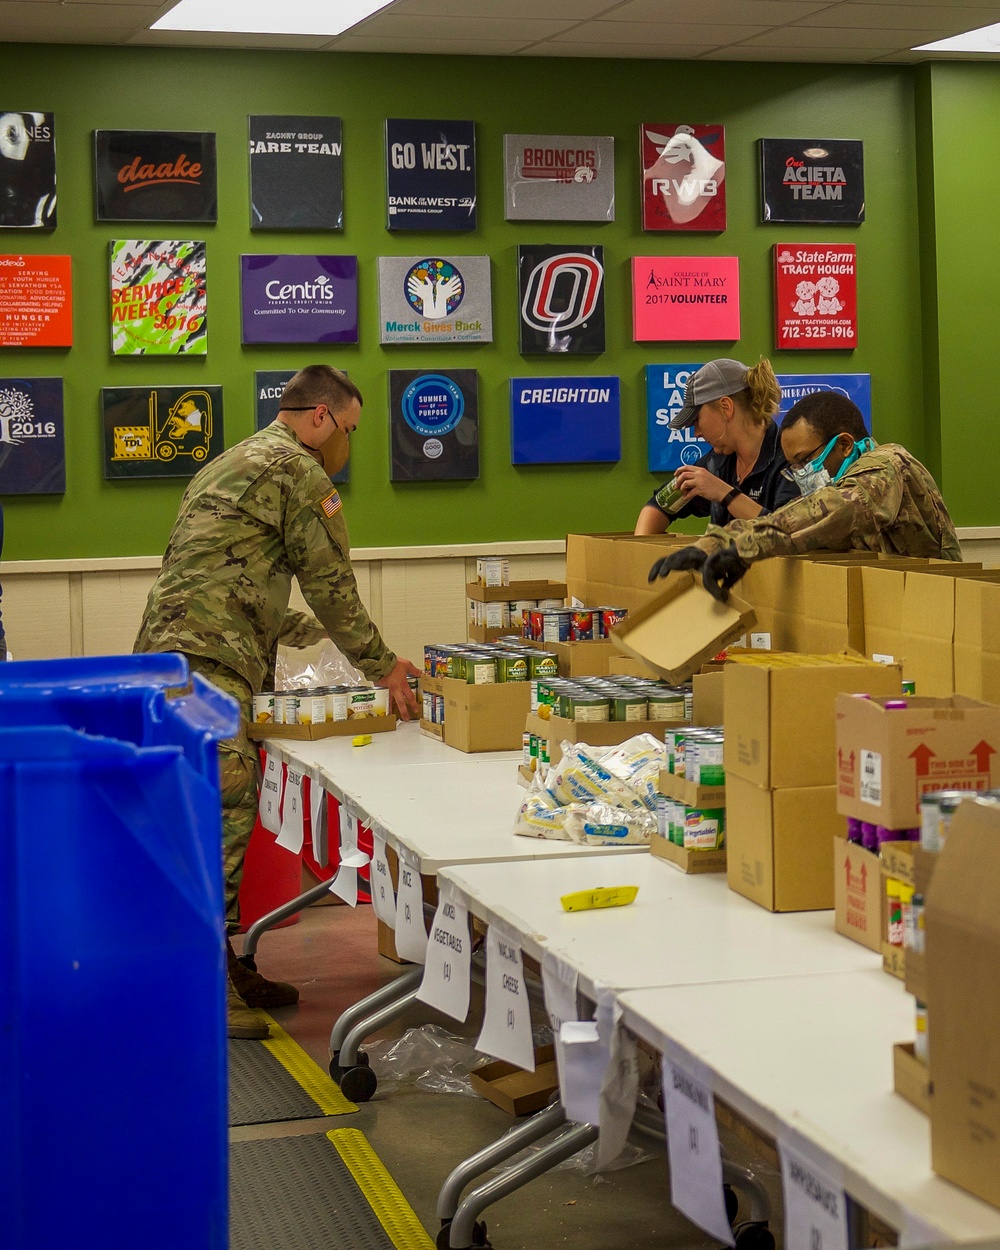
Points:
x=296 y=173
x=430 y=174
x=28 y=171
x=812 y=180
x=561 y=293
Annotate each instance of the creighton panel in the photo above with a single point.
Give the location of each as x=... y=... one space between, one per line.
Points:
x=268 y=387
x=159 y=298
x=435 y=299
x=27 y=171
x=296 y=173
x=683 y=177
x=430 y=174
x=160 y=431
x=812 y=180
x=561 y=292
x=559 y=177
x=565 y=420
x=155 y=175
x=434 y=425
x=32 y=445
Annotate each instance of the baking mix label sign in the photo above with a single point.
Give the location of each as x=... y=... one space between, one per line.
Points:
x=559 y=177
x=155 y=175
x=815 y=180
x=435 y=299
x=296 y=173
x=299 y=299
x=160 y=431
x=159 y=298
x=32 y=446
x=815 y=296
x=36 y=301
x=565 y=420
x=669 y=449
x=27 y=171
x=434 y=425
x=692 y=298
x=268 y=387
x=683 y=177
x=561 y=293
x=430 y=174
x=856 y=387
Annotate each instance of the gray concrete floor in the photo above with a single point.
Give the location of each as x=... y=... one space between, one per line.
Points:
x=331 y=955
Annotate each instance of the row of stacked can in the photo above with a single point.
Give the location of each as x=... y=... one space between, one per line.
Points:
x=562 y=624
x=617 y=697
x=509 y=613
x=483 y=663
x=694 y=828
x=320 y=705
x=696 y=755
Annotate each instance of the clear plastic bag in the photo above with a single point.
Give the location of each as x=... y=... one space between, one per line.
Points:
x=582 y=777
x=428 y=1058
x=329 y=668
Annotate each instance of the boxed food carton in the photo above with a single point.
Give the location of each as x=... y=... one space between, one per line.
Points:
x=582 y=659
x=607 y=733
x=487 y=717
x=688 y=859
x=614 y=568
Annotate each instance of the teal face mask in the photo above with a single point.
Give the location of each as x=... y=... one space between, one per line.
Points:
x=813 y=476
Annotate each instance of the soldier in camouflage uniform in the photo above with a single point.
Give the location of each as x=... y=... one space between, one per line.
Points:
x=856 y=496
x=263 y=511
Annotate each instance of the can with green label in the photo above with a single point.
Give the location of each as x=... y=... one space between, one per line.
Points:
x=544 y=664
x=480 y=670
x=628 y=705
x=665 y=704
x=704 y=828
x=710 y=769
x=589 y=707
x=511 y=667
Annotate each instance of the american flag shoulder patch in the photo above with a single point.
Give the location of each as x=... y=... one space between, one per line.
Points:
x=332 y=504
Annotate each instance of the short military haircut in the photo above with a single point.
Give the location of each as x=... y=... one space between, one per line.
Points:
x=319 y=384
x=829 y=414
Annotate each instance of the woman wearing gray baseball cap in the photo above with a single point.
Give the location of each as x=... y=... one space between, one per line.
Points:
x=731 y=406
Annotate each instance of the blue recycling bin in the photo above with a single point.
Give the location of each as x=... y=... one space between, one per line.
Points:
x=113 y=1081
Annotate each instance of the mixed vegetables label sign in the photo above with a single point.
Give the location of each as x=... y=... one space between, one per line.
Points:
x=815 y=297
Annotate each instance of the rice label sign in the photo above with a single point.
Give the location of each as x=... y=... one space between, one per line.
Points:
x=815 y=297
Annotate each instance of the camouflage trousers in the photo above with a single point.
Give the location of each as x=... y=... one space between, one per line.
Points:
x=239 y=765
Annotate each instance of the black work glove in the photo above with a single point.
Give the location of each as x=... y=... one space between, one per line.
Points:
x=722 y=570
x=687 y=558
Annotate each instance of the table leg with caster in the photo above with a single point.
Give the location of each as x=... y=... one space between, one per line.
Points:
x=261 y=926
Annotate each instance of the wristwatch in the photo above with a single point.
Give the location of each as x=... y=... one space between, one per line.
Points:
x=733 y=494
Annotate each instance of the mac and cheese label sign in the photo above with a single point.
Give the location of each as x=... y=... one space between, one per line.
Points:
x=27 y=171
x=683 y=177
x=815 y=180
x=434 y=425
x=296 y=173
x=685 y=298
x=160 y=431
x=430 y=174
x=565 y=420
x=159 y=298
x=669 y=449
x=435 y=299
x=856 y=387
x=299 y=299
x=561 y=294
x=815 y=297
x=36 y=301
x=268 y=387
x=32 y=446
x=155 y=175
x=559 y=177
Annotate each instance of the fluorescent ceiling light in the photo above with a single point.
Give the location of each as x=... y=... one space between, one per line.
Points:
x=985 y=39
x=265 y=17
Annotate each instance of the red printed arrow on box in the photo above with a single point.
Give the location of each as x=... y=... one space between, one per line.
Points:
x=922 y=756
x=981 y=753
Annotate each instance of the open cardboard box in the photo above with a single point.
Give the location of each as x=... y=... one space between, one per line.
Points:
x=690 y=793
x=512 y=1089
x=537 y=589
x=683 y=627
x=911 y=1079
x=329 y=729
x=688 y=859
x=581 y=659
x=612 y=570
x=489 y=717
x=598 y=733
x=857 y=893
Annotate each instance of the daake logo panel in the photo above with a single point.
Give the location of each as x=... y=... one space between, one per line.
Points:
x=435 y=299
x=817 y=180
x=155 y=175
x=562 y=300
x=683 y=177
x=559 y=177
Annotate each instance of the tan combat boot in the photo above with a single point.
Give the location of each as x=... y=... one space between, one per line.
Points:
x=245 y=1023
x=255 y=990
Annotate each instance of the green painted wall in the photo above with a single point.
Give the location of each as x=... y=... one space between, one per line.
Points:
x=145 y=88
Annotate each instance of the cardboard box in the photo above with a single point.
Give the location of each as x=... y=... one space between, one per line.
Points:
x=916 y=961
x=538 y=589
x=479 y=718
x=604 y=733
x=911 y=1079
x=582 y=659
x=709 y=698
x=690 y=794
x=779 y=722
x=780 y=844
x=883 y=598
x=486 y=633
x=977 y=638
x=632 y=667
x=515 y=1091
x=857 y=894
x=683 y=627
x=686 y=859
x=886 y=760
x=329 y=729
x=963 y=974
x=612 y=570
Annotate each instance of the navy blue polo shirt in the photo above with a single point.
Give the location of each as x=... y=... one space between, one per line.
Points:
x=764 y=484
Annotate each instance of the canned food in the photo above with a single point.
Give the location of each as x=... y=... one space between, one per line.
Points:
x=367 y=701
x=909 y=687
x=263 y=709
x=582 y=625
x=704 y=829
x=628 y=706
x=519 y=606
x=556 y=626
x=589 y=707
x=543 y=753
x=665 y=704
x=526 y=749
x=290 y=704
x=543 y=664
x=336 y=703
x=511 y=667
x=550 y=605
x=936 y=808
x=439 y=709
x=312 y=708
x=493 y=571
x=533 y=750
x=611 y=618
x=710 y=770
x=678 y=812
x=921 y=1049
x=480 y=670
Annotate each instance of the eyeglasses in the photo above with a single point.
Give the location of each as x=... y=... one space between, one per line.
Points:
x=789 y=473
x=312 y=408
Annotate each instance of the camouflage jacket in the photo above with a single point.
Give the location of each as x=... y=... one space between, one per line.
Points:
x=259 y=513
x=886 y=501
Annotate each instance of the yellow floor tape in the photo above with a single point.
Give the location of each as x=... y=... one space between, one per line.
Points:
x=305 y=1072
x=393 y=1211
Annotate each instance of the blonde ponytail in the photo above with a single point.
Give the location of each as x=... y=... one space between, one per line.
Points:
x=762 y=395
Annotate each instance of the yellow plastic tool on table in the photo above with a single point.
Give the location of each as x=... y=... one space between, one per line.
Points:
x=603 y=896
x=362 y=740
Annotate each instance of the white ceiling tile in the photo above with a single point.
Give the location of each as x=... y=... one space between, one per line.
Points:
x=720 y=12
x=656 y=35
x=56 y=23
x=841 y=37
x=573 y=10
x=628 y=51
x=902 y=17
x=845 y=56
x=225 y=39
x=447 y=47
x=521 y=29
